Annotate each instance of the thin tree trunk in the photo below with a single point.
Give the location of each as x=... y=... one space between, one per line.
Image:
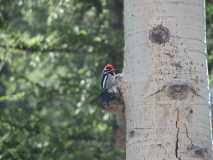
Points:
x=166 y=88
x=116 y=15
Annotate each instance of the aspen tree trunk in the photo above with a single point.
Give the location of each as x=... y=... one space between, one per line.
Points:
x=166 y=87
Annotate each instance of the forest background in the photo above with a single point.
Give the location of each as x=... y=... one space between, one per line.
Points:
x=52 y=53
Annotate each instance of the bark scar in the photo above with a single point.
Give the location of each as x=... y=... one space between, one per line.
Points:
x=177 y=137
x=177 y=90
x=159 y=34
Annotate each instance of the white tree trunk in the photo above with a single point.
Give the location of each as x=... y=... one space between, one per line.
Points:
x=166 y=88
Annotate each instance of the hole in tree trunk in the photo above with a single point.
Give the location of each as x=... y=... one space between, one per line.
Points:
x=159 y=34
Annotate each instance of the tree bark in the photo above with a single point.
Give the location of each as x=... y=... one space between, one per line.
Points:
x=166 y=80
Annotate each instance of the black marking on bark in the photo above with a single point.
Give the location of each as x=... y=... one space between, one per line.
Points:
x=160 y=145
x=177 y=137
x=177 y=144
x=177 y=65
x=159 y=34
x=132 y=133
x=178 y=91
x=191 y=111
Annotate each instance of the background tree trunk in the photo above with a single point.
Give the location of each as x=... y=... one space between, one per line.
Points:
x=116 y=12
x=166 y=90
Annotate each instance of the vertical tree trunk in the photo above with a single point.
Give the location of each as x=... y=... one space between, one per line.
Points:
x=116 y=14
x=166 y=90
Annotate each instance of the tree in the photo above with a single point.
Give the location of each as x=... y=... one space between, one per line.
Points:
x=166 y=81
x=47 y=48
x=51 y=56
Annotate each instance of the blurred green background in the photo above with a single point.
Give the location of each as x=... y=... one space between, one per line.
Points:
x=51 y=56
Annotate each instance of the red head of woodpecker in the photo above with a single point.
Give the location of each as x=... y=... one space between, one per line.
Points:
x=109 y=68
x=107 y=76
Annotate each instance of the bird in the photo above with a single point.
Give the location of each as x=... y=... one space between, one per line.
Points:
x=108 y=85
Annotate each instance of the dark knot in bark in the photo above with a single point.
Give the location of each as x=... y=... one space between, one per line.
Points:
x=159 y=34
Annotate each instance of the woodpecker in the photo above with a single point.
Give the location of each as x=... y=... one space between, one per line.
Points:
x=108 y=83
x=111 y=96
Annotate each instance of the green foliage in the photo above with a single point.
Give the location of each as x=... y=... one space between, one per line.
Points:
x=51 y=56
x=209 y=20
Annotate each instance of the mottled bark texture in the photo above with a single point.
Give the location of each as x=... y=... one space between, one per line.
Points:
x=166 y=82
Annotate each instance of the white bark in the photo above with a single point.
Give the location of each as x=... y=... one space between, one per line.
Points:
x=166 y=88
